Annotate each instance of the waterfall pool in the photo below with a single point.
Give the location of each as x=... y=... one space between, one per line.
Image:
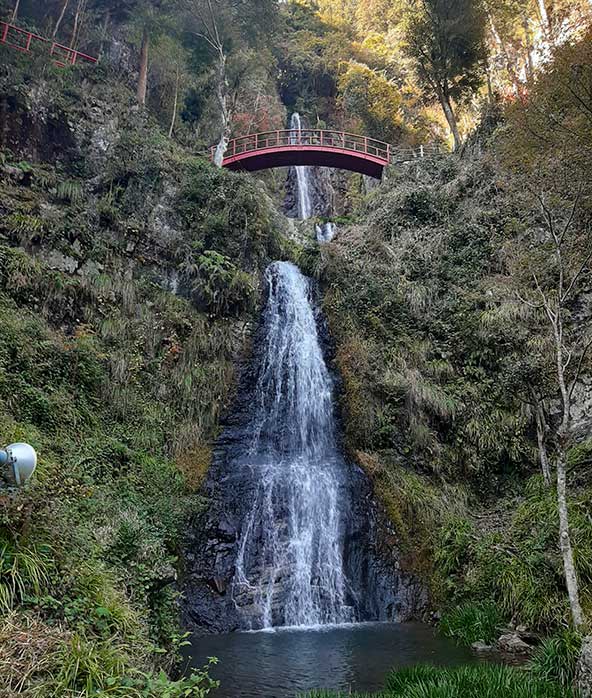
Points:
x=285 y=662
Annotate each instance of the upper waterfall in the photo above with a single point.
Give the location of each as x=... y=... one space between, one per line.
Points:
x=303 y=174
x=304 y=188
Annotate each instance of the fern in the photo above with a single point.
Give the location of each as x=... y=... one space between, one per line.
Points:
x=71 y=191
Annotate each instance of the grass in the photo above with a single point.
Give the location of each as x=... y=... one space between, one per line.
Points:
x=557 y=657
x=341 y=694
x=474 y=681
x=24 y=570
x=472 y=622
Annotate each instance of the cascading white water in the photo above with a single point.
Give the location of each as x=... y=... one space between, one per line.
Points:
x=290 y=568
x=304 y=181
x=326 y=232
x=305 y=209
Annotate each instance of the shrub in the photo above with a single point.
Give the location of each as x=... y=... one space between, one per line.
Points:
x=471 y=623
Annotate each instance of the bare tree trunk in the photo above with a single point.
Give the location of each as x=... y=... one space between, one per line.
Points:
x=571 y=577
x=529 y=48
x=175 y=104
x=541 y=425
x=504 y=49
x=104 y=32
x=143 y=79
x=80 y=7
x=545 y=22
x=15 y=12
x=450 y=116
x=61 y=18
x=490 y=95
x=225 y=126
x=555 y=301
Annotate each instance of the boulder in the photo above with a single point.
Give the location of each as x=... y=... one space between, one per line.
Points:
x=584 y=669
x=513 y=643
x=482 y=647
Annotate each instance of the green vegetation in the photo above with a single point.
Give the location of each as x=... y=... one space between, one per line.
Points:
x=116 y=381
x=448 y=374
x=477 y=681
x=471 y=623
x=556 y=659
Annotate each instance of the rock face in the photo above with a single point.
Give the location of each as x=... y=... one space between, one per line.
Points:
x=216 y=601
x=322 y=193
x=584 y=669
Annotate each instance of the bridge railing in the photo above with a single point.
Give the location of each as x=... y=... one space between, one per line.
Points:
x=298 y=139
x=23 y=40
x=338 y=140
x=400 y=155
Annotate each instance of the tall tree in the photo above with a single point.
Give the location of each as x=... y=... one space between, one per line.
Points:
x=557 y=270
x=209 y=28
x=230 y=28
x=446 y=39
x=15 y=11
x=152 y=19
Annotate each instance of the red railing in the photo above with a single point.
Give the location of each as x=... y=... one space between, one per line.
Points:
x=23 y=40
x=299 y=139
x=318 y=138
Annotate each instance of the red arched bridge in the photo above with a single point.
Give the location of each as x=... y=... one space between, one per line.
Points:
x=316 y=147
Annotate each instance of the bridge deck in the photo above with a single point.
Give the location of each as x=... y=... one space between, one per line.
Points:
x=317 y=147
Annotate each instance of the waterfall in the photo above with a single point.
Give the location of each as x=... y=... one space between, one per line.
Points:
x=290 y=568
x=291 y=536
x=304 y=186
x=326 y=232
x=303 y=174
